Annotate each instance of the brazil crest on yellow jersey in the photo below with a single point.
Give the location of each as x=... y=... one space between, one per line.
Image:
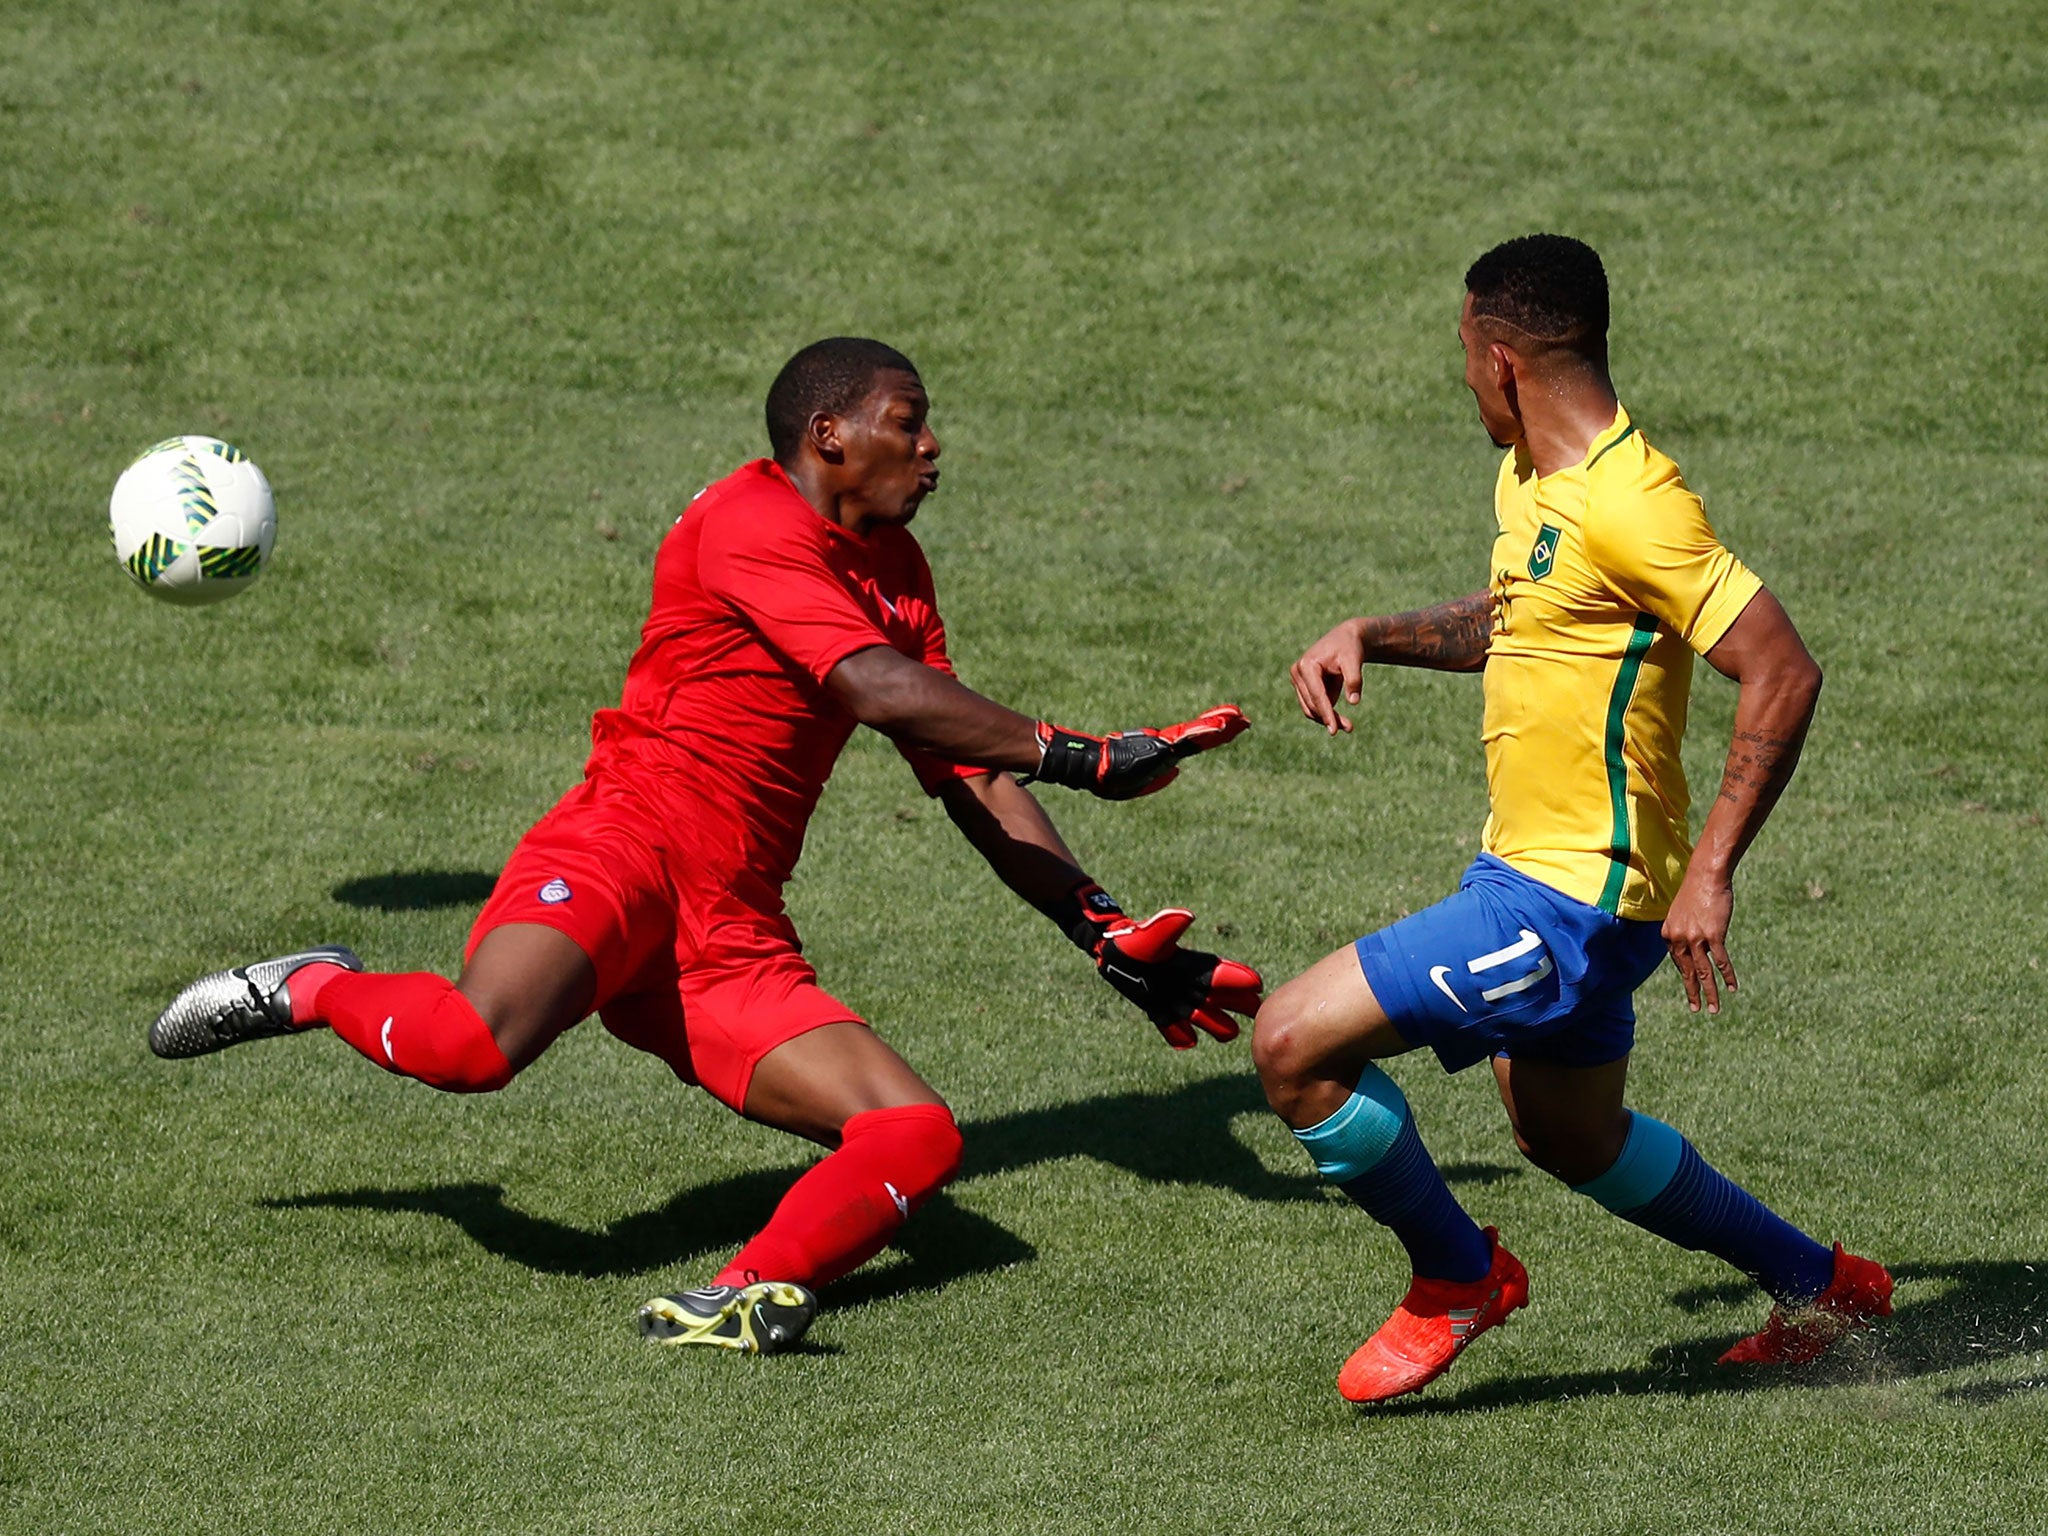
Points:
x=1606 y=579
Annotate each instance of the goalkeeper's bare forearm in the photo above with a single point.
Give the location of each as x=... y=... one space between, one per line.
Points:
x=1182 y=991
x=920 y=706
x=1005 y=824
x=1449 y=637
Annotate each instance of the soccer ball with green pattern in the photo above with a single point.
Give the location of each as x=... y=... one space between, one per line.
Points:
x=193 y=520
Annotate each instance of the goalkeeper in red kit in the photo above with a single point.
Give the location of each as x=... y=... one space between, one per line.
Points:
x=791 y=604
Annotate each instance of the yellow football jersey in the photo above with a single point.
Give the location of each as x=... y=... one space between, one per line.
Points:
x=1606 y=579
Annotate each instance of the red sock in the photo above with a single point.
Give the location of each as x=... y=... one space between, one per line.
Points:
x=416 y=1025
x=844 y=1211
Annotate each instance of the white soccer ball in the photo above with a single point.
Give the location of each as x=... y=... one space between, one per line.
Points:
x=193 y=520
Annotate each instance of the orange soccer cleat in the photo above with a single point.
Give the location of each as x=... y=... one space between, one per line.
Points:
x=1436 y=1319
x=1860 y=1292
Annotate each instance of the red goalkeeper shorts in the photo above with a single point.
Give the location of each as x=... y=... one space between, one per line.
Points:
x=706 y=973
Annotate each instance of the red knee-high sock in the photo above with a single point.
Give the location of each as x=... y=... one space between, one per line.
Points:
x=844 y=1211
x=416 y=1025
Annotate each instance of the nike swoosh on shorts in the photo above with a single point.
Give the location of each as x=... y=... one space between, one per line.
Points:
x=1437 y=973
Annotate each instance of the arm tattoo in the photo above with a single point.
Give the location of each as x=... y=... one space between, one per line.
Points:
x=1759 y=764
x=1450 y=637
x=1772 y=714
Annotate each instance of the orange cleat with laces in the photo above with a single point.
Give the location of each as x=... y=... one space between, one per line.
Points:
x=1436 y=1319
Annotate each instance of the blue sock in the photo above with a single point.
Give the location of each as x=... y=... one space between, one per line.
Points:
x=1370 y=1150
x=1662 y=1185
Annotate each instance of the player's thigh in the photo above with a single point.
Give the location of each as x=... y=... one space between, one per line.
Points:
x=765 y=1038
x=1325 y=1018
x=813 y=1084
x=528 y=982
x=579 y=910
x=1570 y=1121
x=800 y=1060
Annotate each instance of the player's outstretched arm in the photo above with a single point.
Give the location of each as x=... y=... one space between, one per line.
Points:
x=1450 y=637
x=1179 y=990
x=921 y=706
x=1780 y=683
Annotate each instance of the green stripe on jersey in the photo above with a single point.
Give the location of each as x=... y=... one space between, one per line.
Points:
x=1626 y=433
x=1639 y=639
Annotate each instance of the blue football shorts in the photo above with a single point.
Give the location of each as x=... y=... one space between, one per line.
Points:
x=1509 y=966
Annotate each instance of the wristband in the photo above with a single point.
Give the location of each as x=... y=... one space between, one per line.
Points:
x=1066 y=758
x=1084 y=914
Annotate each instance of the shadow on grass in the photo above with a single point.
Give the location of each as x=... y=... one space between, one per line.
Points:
x=1181 y=1137
x=1949 y=1317
x=946 y=1241
x=417 y=890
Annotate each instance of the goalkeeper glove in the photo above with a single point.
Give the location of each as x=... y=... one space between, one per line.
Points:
x=1179 y=990
x=1126 y=764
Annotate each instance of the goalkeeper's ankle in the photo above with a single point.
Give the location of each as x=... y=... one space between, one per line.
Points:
x=304 y=989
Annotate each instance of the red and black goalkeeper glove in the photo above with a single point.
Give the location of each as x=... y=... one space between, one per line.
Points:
x=1179 y=990
x=1127 y=764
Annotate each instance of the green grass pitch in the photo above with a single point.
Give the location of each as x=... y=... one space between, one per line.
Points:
x=489 y=290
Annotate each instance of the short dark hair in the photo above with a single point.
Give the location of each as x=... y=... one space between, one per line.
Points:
x=833 y=375
x=1550 y=288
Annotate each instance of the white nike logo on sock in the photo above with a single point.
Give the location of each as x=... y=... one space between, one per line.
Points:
x=386 y=1037
x=902 y=1205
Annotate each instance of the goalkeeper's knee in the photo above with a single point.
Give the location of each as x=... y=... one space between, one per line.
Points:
x=918 y=1145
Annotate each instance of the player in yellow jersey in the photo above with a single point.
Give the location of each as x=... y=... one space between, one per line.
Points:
x=1605 y=580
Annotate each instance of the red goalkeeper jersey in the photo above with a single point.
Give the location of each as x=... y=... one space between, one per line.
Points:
x=725 y=717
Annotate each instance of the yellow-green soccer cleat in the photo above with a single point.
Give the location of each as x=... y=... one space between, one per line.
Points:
x=762 y=1318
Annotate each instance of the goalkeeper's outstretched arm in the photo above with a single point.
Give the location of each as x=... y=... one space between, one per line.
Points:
x=1179 y=990
x=1006 y=825
x=920 y=706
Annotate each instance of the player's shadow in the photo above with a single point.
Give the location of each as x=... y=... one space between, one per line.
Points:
x=417 y=890
x=1179 y=1137
x=945 y=1242
x=1947 y=1317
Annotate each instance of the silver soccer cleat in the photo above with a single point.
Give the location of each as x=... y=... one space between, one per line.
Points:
x=246 y=1003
